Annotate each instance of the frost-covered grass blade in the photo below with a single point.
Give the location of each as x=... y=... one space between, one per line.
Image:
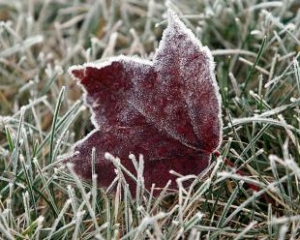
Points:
x=40 y=40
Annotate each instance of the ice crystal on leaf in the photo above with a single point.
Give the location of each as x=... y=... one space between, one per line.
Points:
x=168 y=110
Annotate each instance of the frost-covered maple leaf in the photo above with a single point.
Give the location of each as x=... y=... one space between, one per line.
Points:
x=167 y=109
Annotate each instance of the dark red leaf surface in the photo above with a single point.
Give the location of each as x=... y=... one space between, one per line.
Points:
x=168 y=110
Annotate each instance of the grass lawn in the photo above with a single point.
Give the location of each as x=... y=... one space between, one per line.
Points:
x=251 y=190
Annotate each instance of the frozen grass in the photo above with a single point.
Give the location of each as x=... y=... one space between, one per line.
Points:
x=256 y=46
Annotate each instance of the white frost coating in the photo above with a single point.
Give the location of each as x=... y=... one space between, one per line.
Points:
x=173 y=21
x=109 y=156
x=109 y=61
x=173 y=24
x=99 y=65
x=40 y=219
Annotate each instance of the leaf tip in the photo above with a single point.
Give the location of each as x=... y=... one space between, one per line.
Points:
x=77 y=72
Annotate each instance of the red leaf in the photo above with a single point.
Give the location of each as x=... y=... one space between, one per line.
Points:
x=168 y=110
